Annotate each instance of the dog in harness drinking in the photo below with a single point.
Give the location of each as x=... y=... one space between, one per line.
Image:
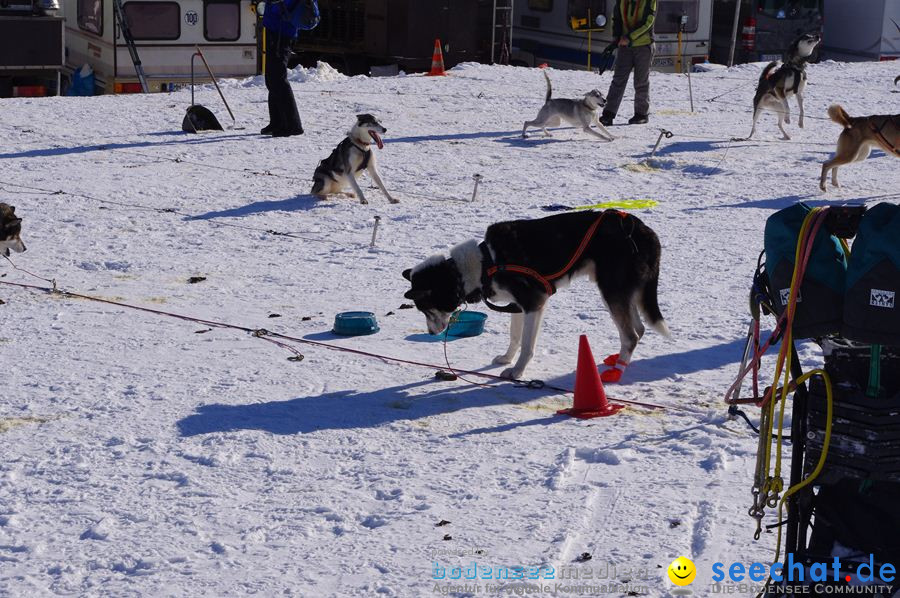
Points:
x=352 y=156
x=524 y=262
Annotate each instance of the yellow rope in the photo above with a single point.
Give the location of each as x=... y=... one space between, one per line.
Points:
x=775 y=482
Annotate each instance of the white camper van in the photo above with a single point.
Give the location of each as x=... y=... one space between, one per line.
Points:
x=165 y=33
x=867 y=30
x=554 y=31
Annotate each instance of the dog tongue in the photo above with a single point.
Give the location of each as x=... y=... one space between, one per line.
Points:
x=377 y=139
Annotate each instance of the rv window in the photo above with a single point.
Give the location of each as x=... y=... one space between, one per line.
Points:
x=222 y=20
x=153 y=20
x=579 y=9
x=788 y=9
x=669 y=13
x=544 y=5
x=90 y=16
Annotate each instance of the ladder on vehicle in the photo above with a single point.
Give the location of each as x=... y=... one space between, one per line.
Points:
x=129 y=41
x=501 y=32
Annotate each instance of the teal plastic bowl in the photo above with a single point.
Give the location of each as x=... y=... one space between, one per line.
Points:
x=355 y=323
x=467 y=323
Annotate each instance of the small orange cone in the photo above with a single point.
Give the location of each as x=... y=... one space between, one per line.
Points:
x=590 y=398
x=437 y=61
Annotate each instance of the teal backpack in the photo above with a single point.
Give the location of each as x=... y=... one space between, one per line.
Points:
x=820 y=303
x=871 y=310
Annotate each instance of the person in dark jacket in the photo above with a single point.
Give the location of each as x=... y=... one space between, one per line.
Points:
x=633 y=32
x=280 y=30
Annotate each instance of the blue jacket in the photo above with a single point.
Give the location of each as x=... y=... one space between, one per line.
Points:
x=280 y=17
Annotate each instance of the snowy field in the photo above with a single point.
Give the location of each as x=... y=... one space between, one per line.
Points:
x=144 y=455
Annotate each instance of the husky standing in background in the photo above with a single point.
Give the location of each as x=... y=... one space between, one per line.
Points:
x=524 y=262
x=580 y=113
x=860 y=135
x=781 y=80
x=352 y=155
x=10 y=229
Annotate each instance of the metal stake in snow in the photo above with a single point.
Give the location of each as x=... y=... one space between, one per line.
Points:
x=375 y=231
x=662 y=133
x=478 y=178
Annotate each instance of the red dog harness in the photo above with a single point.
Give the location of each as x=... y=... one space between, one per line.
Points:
x=546 y=280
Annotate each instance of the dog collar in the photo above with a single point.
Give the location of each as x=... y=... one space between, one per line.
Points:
x=487 y=265
x=363 y=148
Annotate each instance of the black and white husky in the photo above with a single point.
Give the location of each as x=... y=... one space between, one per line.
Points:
x=580 y=113
x=352 y=155
x=10 y=230
x=782 y=79
x=523 y=262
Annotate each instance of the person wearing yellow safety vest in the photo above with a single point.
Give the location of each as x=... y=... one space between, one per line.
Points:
x=633 y=34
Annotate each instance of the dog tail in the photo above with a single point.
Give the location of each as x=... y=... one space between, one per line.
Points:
x=839 y=115
x=549 y=89
x=767 y=72
x=650 y=306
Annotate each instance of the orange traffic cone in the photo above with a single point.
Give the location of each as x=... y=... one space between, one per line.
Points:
x=437 y=61
x=590 y=398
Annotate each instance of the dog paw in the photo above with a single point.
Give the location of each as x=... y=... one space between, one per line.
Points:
x=502 y=359
x=393 y=200
x=512 y=373
x=363 y=201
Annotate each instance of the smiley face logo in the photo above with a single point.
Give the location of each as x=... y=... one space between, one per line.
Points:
x=682 y=571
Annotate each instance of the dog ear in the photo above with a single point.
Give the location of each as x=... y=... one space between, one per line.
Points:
x=407 y=274
x=415 y=294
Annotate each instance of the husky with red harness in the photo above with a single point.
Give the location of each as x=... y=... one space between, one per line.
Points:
x=522 y=263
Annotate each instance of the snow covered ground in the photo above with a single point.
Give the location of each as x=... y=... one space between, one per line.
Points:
x=145 y=455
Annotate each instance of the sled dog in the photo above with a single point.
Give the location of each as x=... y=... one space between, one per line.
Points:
x=523 y=262
x=782 y=79
x=860 y=135
x=352 y=155
x=10 y=230
x=580 y=113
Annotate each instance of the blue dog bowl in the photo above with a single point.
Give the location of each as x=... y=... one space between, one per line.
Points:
x=355 y=323
x=467 y=323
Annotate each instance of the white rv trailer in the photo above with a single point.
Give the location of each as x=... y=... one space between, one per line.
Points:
x=166 y=33
x=542 y=32
x=867 y=30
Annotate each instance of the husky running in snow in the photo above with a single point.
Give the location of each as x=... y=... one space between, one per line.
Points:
x=860 y=135
x=580 y=113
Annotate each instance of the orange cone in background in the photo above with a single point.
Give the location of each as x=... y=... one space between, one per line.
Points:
x=437 y=61
x=590 y=398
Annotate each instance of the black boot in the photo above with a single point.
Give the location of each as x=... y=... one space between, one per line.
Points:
x=638 y=119
x=267 y=130
x=606 y=119
x=287 y=132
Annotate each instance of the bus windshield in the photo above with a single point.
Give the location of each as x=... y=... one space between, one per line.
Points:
x=788 y=9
